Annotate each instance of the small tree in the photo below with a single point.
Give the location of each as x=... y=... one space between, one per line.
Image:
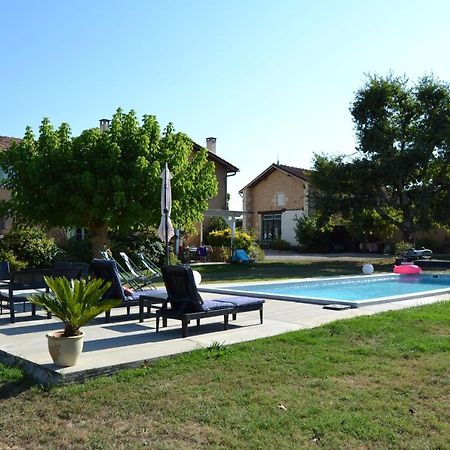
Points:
x=106 y=179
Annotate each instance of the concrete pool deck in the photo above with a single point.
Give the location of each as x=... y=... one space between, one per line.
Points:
x=124 y=342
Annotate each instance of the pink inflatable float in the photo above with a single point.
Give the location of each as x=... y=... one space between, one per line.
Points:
x=407 y=269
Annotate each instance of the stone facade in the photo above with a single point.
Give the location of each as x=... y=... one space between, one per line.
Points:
x=273 y=200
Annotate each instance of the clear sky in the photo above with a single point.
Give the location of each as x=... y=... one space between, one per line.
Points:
x=270 y=79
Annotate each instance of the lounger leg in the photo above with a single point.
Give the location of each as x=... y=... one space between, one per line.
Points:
x=33 y=309
x=261 y=315
x=141 y=309
x=11 y=310
x=184 y=325
x=198 y=322
x=225 y=321
x=157 y=323
x=234 y=316
x=107 y=316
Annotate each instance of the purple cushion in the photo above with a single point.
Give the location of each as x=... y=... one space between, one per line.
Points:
x=210 y=305
x=242 y=301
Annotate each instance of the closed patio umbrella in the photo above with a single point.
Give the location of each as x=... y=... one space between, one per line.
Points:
x=165 y=230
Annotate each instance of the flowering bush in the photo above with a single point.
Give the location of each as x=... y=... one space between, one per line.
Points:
x=242 y=240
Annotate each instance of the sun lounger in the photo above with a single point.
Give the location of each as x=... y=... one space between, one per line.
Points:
x=107 y=270
x=186 y=303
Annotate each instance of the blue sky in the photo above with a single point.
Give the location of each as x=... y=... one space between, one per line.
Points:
x=269 y=79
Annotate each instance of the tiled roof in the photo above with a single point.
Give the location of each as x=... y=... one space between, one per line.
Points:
x=212 y=156
x=6 y=141
x=302 y=174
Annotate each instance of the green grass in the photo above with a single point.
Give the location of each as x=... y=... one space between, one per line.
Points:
x=291 y=269
x=371 y=382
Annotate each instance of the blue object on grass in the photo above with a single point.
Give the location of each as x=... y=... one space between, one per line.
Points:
x=240 y=256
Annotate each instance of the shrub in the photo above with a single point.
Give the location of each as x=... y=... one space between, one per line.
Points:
x=256 y=253
x=222 y=238
x=76 y=250
x=7 y=255
x=242 y=240
x=280 y=244
x=217 y=223
x=401 y=247
x=31 y=245
x=141 y=239
x=310 y=235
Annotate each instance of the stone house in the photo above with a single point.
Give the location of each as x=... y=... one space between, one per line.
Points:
x=218 y=205
x=274 y=199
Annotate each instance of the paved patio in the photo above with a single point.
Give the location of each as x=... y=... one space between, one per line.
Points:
x=124 y=342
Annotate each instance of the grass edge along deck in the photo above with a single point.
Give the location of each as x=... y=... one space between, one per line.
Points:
x=233 y=289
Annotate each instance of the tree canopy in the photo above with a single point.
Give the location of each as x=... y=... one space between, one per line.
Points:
x=400 y=175
x=108 y=179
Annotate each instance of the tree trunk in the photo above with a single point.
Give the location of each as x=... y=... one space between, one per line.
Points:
x=98 y=233
x=408 y=232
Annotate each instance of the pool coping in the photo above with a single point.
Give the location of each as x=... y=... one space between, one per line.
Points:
x=222 y=289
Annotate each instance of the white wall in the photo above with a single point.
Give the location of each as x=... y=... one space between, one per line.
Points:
x=288 y=224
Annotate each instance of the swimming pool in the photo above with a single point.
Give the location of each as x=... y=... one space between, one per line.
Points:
x=353 y=291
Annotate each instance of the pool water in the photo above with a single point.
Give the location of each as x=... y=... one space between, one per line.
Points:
x=353 y=291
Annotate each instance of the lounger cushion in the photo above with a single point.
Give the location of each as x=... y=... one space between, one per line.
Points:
x=210 y=305
x=242 y=301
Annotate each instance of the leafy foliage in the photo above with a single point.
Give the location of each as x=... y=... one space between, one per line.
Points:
x=76 y=250
x=217 y=223
x=401 y=171
x=309 y=234
x=140 y=239
x=76 y=302
x=30 y=246
x=101 y=180
x=280 y=244
x=242 y=240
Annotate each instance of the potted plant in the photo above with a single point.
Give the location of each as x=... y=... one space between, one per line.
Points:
x=75 y=302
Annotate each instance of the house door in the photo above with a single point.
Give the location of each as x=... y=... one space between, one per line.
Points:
x=271 y=228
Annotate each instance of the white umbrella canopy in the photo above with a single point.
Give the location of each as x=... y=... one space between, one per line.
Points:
x=166 y=230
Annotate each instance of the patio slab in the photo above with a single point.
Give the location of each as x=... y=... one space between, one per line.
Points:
x=124 y=342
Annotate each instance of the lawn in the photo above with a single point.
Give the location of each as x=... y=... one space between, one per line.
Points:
x=371 y=382
x=271 y=269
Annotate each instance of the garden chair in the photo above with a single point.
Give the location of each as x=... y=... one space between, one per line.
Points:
x=107 y=270
x=186 y=303
x=5 y=275
x=138 y=275
x=33 y=279
x=125 y=276
x=150 y=265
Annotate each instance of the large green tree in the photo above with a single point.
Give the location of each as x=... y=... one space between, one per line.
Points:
x=105 y=180
x=400 y=173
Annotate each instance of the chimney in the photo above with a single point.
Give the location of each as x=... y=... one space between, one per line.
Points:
x=104 y=124
x=211 y=144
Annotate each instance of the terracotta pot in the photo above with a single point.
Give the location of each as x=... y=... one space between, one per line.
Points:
x=64 y=350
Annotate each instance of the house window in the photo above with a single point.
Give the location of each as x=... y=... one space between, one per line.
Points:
x=280 y=199
x=271 y=227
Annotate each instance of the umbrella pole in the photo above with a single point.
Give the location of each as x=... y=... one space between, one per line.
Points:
x=166 y=217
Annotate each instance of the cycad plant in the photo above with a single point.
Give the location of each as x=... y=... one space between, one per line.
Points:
x=75 y=302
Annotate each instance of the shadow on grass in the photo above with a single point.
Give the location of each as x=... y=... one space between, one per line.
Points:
x=279 y=270
x=10 y=389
